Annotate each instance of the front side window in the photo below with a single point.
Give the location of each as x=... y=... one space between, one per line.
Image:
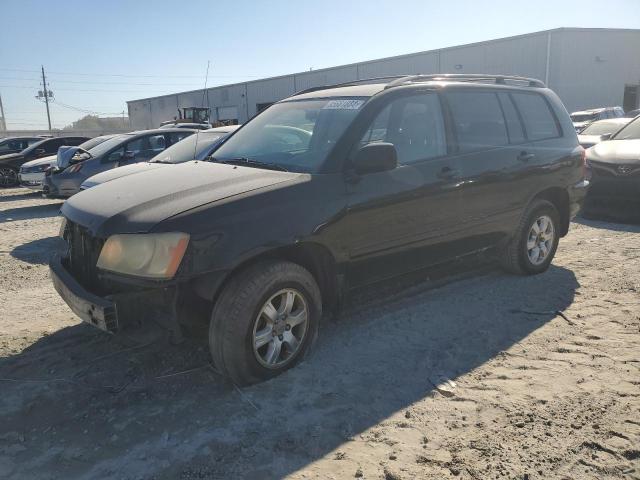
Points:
x=477 y=119
x=539 y=121
x=413 y=125
x=296 y=135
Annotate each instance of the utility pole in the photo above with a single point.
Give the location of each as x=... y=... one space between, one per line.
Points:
x=46 y=93
x=4 y=120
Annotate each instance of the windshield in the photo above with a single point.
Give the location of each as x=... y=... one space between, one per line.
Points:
x=631 y=131
x=107 y=145
x=187 y=149
x=89 y=144
x=583 y=117
x=601 y=128
x=295 y=135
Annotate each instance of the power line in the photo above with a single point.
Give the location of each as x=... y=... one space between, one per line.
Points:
x=127 y=75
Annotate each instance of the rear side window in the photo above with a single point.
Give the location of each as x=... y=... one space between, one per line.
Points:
x=539 y=121
x=514 y=126
x=478 y=120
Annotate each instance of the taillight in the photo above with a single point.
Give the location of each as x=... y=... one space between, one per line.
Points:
x=75 y=168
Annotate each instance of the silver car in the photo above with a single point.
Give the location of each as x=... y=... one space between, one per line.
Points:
x=122 y=150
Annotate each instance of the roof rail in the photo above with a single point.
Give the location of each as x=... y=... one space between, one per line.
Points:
x=462 y=77
x=348 y=84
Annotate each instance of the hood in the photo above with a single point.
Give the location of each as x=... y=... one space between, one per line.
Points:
x=118 y=172
x=136 y=203
x=616 y=151
x=10 y=156
x=587 y=141
x=65 y=154
x=40 y=161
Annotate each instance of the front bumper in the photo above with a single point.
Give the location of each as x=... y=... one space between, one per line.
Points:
x=59 y=186
x=31 y=180
x=615 y=197
x=99 y=312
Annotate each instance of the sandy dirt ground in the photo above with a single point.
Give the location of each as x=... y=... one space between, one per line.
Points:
x=532 y=394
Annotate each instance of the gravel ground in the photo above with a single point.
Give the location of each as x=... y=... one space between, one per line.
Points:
x=473 y=377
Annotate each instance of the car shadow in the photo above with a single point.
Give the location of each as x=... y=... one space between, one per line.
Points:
x=145 y=409
x=608 y=223
x=38 y=251
x=19 y=196
x=31 y=212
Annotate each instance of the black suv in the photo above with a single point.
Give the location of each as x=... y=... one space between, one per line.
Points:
x=327 y=190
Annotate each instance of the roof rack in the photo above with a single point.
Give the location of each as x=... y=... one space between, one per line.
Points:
x=348 y=84
x=461 y=77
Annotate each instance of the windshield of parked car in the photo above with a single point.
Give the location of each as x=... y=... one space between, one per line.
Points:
x=107 y=145
x=583 y=117
x=631 y=131
x=189 y=148
x=295 y=135
x=89 y=144
x=601 y=128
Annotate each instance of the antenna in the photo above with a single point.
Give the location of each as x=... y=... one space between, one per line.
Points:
x=204 y=92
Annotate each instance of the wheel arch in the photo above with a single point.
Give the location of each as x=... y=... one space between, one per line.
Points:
x=559 y=197
x=314 y=257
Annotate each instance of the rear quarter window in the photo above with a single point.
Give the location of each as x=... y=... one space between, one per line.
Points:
x=539 y=121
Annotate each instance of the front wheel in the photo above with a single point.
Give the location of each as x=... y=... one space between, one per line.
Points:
x=265 y=321
x=8 y=177
x=534 y=244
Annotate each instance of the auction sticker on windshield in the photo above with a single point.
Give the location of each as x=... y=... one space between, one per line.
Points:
x=343 y=105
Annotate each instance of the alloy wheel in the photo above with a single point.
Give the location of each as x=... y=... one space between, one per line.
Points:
x=280 y=328
x=540 y=240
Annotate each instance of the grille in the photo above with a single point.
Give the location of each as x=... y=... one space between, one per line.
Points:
x=84 y=251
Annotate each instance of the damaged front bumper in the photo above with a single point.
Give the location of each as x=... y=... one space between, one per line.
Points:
x=116 y=311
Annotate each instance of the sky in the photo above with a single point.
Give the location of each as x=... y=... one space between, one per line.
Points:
x=99 y=54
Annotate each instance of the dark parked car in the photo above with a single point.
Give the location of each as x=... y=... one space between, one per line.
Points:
x=122 y=150
x=392 y=176
x=582 y=119
x=17 y=144
x=601 y=130
x=10 y=164
x=615 y=175
x=194 y=147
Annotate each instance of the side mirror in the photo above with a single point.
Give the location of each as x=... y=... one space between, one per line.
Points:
x=375 y=157
x=115 y=157
x=129 y=155
x=39 y=151
x=605 y=136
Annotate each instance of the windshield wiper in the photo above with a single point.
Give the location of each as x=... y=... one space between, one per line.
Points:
x=247 y=162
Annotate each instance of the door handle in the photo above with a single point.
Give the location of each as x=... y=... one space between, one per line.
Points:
x=447 y=173
x=525 y=156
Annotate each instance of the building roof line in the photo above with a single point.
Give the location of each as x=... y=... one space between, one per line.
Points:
x=394 y=57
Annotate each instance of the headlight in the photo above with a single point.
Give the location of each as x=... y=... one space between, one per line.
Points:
x=153 y=255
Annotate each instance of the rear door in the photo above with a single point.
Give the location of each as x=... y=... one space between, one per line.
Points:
x=491 y=151
x=396 y=221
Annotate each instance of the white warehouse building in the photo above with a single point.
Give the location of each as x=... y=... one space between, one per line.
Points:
x=586 y=67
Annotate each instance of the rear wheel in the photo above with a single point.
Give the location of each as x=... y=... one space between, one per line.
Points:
x=533 y=246
x=265 y=321
x=8 y=177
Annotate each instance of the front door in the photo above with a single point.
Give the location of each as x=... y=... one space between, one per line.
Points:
x=394 y=219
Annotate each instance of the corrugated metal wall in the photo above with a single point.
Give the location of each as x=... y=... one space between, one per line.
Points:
x=586 y=67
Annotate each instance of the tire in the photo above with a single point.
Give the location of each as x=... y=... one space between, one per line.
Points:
x=239 y=317
x=8 y=177
x=517 y=256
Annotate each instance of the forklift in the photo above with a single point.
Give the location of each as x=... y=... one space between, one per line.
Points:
x=198 y=115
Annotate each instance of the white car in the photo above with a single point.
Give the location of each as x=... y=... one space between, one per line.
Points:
x=32 y=173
